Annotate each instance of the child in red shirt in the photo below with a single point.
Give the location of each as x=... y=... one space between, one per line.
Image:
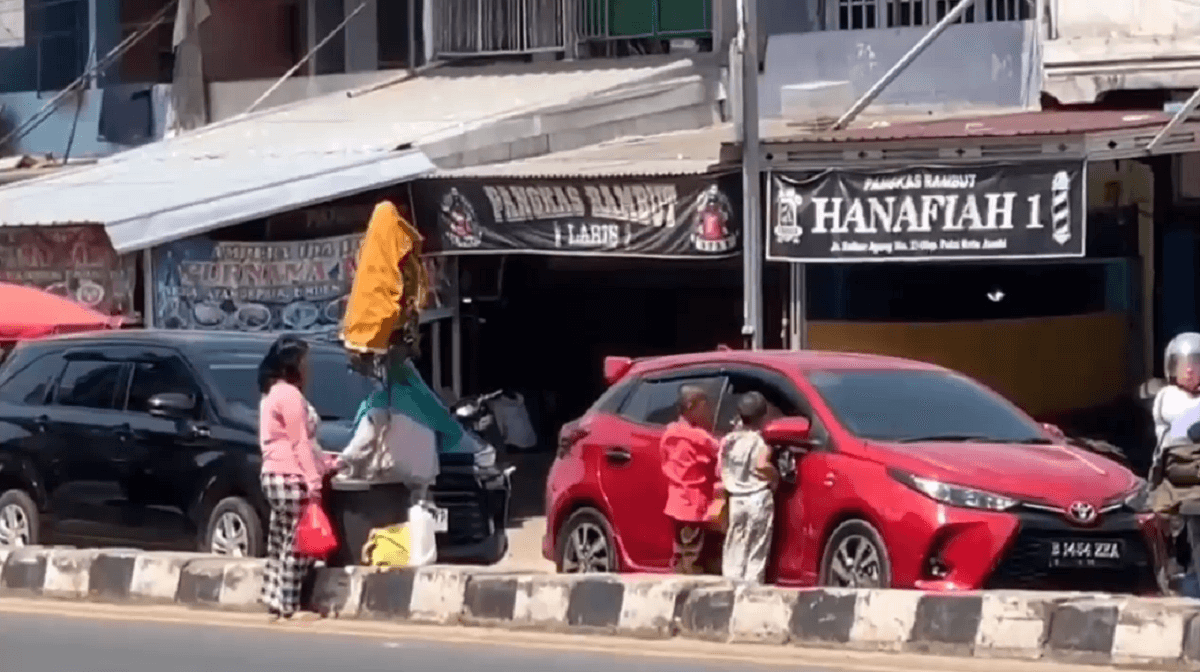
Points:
x=689 y=461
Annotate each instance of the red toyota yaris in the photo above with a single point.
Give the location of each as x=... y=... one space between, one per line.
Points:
x=906 y=475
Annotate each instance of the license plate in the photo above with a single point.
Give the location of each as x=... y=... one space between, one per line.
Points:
x=1086 y=553
x=441 y=520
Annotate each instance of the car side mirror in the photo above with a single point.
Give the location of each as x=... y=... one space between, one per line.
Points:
x=172 y=405
x=788 y=431
x=1055 y=431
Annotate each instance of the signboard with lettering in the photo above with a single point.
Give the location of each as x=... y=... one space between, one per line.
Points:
x=675 y=217
x=77 y=262
x=930 y=213
x=296 y=286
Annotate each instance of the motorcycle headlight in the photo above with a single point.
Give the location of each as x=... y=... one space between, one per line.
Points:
x=486 y=457
x=955 y=495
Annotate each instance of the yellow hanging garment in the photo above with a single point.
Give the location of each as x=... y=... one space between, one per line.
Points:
x=390 y=284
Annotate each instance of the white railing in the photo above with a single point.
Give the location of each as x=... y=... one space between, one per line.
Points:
x=464 y=28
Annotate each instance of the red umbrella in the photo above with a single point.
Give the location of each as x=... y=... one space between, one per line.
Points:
x=28 y=312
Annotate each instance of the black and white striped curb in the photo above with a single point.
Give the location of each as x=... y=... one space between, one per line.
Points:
x=1077 y=627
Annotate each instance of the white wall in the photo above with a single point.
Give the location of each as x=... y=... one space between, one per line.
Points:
x=12 y=23
x=229 y=99
x=1124 y=18
x=1103 y=45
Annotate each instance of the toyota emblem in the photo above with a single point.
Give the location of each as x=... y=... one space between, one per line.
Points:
x=1082 y=513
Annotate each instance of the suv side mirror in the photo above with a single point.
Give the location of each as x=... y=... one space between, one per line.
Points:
x=790 y=431
x=172 y=405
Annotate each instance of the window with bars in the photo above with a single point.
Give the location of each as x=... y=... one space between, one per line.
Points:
x=867 y=14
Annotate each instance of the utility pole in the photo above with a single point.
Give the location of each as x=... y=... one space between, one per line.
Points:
x=752 y=229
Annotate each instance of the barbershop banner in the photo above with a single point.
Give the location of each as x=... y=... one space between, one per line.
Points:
x=677 y=217
x=76 y=262
x=931 y=213
x=297 y=286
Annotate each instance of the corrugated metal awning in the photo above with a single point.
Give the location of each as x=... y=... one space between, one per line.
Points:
x=308 y=152
x=692 y=152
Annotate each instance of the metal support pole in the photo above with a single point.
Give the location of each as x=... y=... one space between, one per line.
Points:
x=904 y=62
x=752 y=249
x=148 y=285
x=412 y=37
x=797 y=309
x=1181 y=116
x=311 y=26
x=435 y=354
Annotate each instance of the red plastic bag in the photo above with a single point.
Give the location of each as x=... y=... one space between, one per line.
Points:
x=315 y=537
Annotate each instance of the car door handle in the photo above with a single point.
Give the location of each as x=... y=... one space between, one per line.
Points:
x=618 y=455
x=42 y=422
x=124 y=432
x=200 y=431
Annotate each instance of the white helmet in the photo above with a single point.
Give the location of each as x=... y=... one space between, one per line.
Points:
x=1184 y=349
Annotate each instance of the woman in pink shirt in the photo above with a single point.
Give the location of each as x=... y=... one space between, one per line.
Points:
x=293 y=470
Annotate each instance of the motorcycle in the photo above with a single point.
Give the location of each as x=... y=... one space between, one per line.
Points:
x=475 y=412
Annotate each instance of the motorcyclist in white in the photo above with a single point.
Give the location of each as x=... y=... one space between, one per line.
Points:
x=1182 y=391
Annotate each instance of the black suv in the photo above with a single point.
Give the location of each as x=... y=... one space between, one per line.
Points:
x=150 y=439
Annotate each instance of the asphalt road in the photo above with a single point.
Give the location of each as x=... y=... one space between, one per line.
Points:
x=53 y=636
x=58 y=644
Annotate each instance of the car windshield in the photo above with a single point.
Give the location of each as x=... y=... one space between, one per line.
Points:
x=336 y=391
x=910 y=406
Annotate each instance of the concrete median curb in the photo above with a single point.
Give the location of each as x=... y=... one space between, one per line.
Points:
x=1071 y=627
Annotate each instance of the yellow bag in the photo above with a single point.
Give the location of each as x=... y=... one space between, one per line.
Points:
x=388 y=547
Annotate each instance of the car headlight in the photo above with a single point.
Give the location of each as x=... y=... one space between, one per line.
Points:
x=955 y=495
x=486 y=457
x=1138 y=501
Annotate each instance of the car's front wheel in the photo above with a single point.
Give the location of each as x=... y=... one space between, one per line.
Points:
x=234 y=530
x=856 y=557
x=585 y=544
x=18 y=520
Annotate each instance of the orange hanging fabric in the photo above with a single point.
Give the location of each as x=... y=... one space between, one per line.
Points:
x=390 y=283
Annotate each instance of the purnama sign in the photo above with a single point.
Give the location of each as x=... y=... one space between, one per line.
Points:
x=930 y=213
x=675 y=217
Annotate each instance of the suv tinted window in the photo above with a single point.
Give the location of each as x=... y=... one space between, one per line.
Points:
x=334 y=389
x=160 y=377
x=88 y=383
x=32 y=382
x=656 y=402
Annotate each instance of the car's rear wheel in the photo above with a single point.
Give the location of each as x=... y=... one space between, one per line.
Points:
x=234 y=530
x=856 y=557
x=18 y=520
x=585 y=544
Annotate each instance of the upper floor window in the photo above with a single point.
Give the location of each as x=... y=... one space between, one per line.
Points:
x=866 y=14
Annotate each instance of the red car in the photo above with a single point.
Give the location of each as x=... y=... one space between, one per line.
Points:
x=906 y=475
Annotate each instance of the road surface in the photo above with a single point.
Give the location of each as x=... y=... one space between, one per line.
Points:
x=48 y=636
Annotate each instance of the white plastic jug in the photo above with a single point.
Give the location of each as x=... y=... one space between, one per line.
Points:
x=422 y=536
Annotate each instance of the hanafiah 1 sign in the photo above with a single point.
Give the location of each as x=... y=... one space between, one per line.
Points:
x=930 y=213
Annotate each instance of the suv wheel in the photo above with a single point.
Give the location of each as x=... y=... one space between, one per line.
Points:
x=856 y=557
x=18 y=520
x=234 y=530
x=585 y=544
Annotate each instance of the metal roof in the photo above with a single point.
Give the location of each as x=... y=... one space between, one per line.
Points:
x=1049 y=122
x=301 y=154
x=692 y=152
x=1024 y=136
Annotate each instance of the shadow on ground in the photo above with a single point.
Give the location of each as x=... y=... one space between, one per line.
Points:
x=528 y=484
